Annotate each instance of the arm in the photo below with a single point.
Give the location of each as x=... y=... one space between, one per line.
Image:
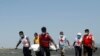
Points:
x=67 y=42
x=59 y=43
x=93 y=42
x=74 y=43
x=82 y=41
x=18 y=44
x=53 y=41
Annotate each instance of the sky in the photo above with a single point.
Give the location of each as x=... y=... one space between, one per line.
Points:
x=69 y=16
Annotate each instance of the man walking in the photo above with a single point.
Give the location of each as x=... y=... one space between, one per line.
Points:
x=78 y=45
x=88 y=43
x=45 y=40
x=26 y=44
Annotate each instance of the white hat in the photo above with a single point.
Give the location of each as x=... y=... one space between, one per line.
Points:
x=79 y=33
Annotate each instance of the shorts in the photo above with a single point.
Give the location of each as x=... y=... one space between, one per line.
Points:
x=62 y=48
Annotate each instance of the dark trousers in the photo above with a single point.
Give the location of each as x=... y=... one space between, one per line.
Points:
x=78 y=51
x=37 y=53
x=44 y=50
x=88 y=51
x=26 y=51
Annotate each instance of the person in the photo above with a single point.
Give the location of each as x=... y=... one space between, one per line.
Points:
x=88 y=43
x=78 y=45
x=36 y=41
x=26 y=44
x=45 y=41
x=62 y=41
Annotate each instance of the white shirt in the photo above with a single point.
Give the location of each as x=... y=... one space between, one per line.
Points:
x=78 y=42
x=62 y=40
x=25 y=42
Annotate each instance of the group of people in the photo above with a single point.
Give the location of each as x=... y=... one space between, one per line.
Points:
x=86 y=42
x=44 y=40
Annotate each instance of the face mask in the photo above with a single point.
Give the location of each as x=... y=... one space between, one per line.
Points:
x=21 y=35
x=78 y=36
x=86 y=33
x=61 y=35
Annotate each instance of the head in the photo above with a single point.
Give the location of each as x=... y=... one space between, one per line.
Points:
x=87 y=31
x=35 y=34
x=61 y=33
x=43 y=29
x=21 y=34
x=79 y=35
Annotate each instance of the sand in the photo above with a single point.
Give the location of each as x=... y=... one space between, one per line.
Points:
x=18 y=52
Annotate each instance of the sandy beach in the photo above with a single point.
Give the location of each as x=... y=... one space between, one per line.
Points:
x=18 y=52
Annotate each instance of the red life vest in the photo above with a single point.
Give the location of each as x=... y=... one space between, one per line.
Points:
x=87 y=40
x=45 y=40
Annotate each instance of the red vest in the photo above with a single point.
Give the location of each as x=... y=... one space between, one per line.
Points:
x=45 y=40
x=87 y=40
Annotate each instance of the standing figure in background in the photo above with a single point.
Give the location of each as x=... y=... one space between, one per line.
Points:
x=36 y=41
x=62 y=43
x=78 y=45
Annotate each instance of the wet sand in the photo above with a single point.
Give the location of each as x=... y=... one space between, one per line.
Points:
x=18 y=52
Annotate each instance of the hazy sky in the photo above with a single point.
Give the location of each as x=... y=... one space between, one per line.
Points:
x=70 y=16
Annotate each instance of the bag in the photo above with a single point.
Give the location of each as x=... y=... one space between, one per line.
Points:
x=53 y=48
x=35 y=47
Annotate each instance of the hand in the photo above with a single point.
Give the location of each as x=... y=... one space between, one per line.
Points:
x=69 y=46
x=16 y=48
